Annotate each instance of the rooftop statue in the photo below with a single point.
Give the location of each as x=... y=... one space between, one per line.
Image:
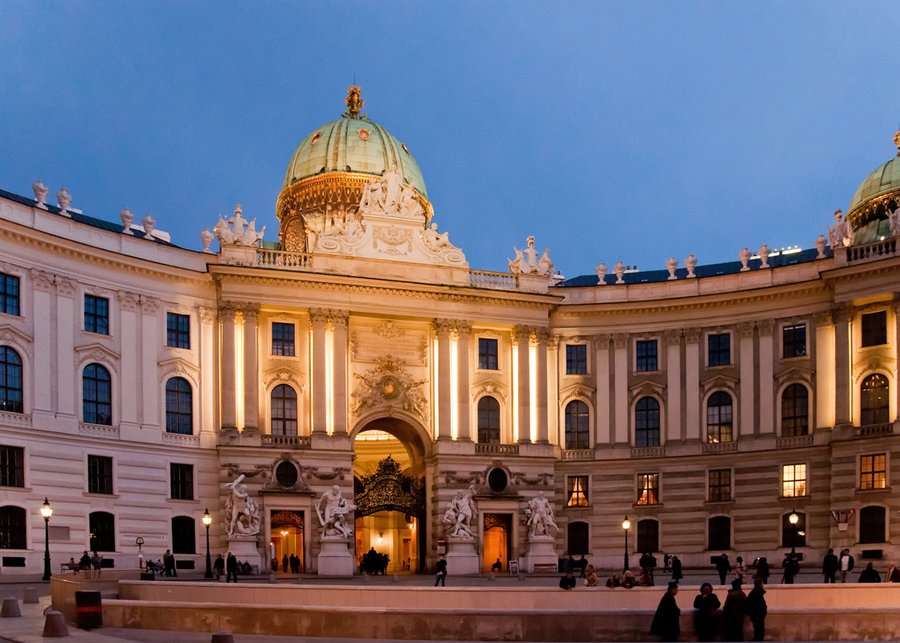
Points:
x=127 y=219
x=528 y=262
x=894 y=220
x=64 y=199
x=149 y=225
x=354 y=101
x=237 y=230
x=840 y=234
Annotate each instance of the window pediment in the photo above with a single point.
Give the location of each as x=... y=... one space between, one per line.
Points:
x=178 y=367
x=97 y=353
x=575 y=392
x=282 y=375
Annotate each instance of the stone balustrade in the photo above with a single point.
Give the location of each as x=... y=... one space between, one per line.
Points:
x=283 y=260
x=493 y=280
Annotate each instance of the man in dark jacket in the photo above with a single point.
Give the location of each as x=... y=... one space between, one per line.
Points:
x=869 y=575
x=231 y=567
x=756 y=609
x=440 y=572
x=567 y=582
x=733 y=613
x=667 y=620
x=830 y=566
x=723 y=566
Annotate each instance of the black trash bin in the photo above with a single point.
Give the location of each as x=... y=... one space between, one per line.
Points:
x=88 y=610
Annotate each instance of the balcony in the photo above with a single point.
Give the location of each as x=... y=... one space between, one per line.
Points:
x=492 y=280
x=496 y=449
x=578 y=454
x=872 y=251
x=283 y=260
x=719 y=447
x=873 y=429
x=286 y=441
x=648 y=452
x=794 y=441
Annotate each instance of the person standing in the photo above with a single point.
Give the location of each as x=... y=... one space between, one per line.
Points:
x=169 y=564
x=791 y=567
x=739 y=569
x=830 y=566
x=677 y=571
x=733 y=613
x=667 y=620
x=762 y=569
x=706 y=615
x=219 y=566
x=723 y=566
x=648 y=564
x=846 y=564
x=440 y=572
x=756 y=609
x=231 y=567
x=869 y=575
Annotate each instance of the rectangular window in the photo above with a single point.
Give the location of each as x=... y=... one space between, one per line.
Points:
x=576 y=359
x=793 y=480
x=648 y=489
x=793 y=341
x=9 y=294
x=100 y=474
x=12 y=466
x=720 y=485
x=487 y=354
x=645 y=355
x=577 y=491
x=178 y=330
x=182 y=481
x=874 y=329
x=282 y=339
x=718 y=349
x=96 y=314
x=873 y=471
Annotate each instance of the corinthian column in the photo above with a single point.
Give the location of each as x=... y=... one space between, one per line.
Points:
x=318 y=320
x=843 y=317
x=229 y=399
x=543 y=434
x=339 y=336
x=522 y=337
x=251 y=368
x=442 y=328
x=463 y=395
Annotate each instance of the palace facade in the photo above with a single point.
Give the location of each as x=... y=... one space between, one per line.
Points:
x=139 y=380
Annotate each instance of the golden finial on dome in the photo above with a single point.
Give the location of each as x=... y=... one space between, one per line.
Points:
x=354 y=101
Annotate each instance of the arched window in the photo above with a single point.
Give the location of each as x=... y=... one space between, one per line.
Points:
x=648 y=535
x=488 y=420
x=578 y=535
x=874 y=404
x=183 y=539
x=12 y=528
x=646 y=423
x=795 y=411
x=719 y=533
x=102 y=531
x=719 y=417
x=179 y=407
x=10 y=380
x=793 y=535
x=577 y=425
x=96 y=395
x=872 y=525
x=284 y=410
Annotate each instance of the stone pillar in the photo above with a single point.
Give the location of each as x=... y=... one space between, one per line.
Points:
x=602 y=424
x=228 y=368
x=65 y=347
x=747 y=387
x=150 y=348
x=543 y=435
x=824 y=347
x=207 y=342
x=251 y=368
x=339 y=352
x=43 y=350
x=128 y=314
x=522 y=337
x=463 y=394
x=621 y=342
x=442 y=328
x=553 y=388
x=693 y=424
x=673 y=387
x=318 y=320
x=843 y=318
x=767 y=403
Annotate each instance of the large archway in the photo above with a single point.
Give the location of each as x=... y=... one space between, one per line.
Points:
x=389 y=490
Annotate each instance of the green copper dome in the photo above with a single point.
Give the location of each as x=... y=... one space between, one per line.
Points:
x=352 y=145
x=884 y=180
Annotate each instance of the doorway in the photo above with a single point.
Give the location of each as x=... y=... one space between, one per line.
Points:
x=287 y=542
x=497 y=542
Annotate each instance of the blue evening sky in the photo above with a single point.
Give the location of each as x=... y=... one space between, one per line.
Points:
x=609 y=130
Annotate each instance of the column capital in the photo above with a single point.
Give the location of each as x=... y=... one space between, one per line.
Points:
x=673 y=337
x=318 y=316
x=42 y=280
x=339 y=317
x=540 y=336
x=620 y=340
x=843 y=312
x=227 y=310
x=65 y=286
x=823 y=318
x=521 y=334
x=745 y=329
x=128 y=300
x=691 y=335
x=463 y=328
x=206 y=315
x=765 y=326
x=442 y=326
x=601 y=340
x=553 y=341
x=250 y=311
x=149 y=305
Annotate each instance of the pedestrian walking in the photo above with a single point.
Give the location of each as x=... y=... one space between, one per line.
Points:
x=846 y=564
x=706 y=613
x=830 y=566
x=677 y=572
x=231 y=566
x=791 y=567
x=723 y=566
x=739 y=569
x=667 y=619
x=219 y=566
x=733 y=613
x=756 y=610
x=440 y=572
x=762 y=569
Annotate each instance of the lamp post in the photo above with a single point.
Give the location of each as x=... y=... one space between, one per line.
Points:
x=626 y=525
x=139 y=541
x=207 y=521
x=793 y=518
x=46 y=512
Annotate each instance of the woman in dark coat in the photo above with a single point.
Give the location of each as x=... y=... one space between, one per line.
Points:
x=677 y=573
x=733 y=613
x=666 y=622
x=762 y=569
x=756 y=609
x=706 y=616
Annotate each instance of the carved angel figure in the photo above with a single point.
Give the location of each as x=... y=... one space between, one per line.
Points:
x=545 y=266
x=516 y=265
x=539 y=517
x=461 y=514
x=894 y=220
x=331 y=510
x=223 y=231
x=435 y=240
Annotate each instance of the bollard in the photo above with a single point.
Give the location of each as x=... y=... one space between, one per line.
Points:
x=88 y=610
x=55 y=624
x=30 y=596
x=222 y=637
x=10 y=608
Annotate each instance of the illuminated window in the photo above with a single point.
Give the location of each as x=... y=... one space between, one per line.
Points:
x=795 y=411
x=719 y=485
x=646 y=422
x=873 y=471
x=576 y=359
x=718 y=349
x=793 y=480
x=719 y=417
x=874 y=329
x=577 y=491
x=793 y=341
x=874 y=401
x=646 y=355
x=648 y=489
x=577 y=425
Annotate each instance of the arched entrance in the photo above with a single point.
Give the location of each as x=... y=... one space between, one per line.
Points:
x=389 y=491
x=287 y=539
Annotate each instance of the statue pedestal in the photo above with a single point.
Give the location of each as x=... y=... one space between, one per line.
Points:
x=334 y=558
x=245 y=550
x=462 y=557
x=541 y=556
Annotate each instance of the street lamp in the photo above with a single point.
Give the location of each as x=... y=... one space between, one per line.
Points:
x=793 y=518
x=626 y=525
x=207 y=521
x=139 y=541
x=46 y=512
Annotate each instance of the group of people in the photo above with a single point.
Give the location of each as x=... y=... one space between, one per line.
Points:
x=710 y=616
x=230 y=567
x=291 y=562
x=86 y=562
